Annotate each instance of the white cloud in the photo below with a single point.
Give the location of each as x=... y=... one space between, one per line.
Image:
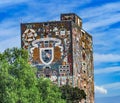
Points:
x=102 y=35
x=115 y=85
x=54 y=8
x=101 y=16
x=108 y=89
x=102 y=22
x=9 y=32
x=100 y=89
x=106 y=57
x=9 y=43
x=107 y=70
x=111 y=89
x=96 y=11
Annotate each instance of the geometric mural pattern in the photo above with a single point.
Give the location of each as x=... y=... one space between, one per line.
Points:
x=62 y=51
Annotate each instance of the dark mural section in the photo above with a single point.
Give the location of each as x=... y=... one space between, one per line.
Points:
x=49 y=47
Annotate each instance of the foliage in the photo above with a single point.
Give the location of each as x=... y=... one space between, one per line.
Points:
x=71 y=94
x=50 y=92
x=18 y=81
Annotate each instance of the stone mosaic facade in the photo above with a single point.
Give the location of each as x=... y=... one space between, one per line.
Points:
x=62 y=51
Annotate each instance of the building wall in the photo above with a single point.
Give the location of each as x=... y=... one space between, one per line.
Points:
x=62 y=51
x=83 y=74
x=83 y=62
x=49 y=46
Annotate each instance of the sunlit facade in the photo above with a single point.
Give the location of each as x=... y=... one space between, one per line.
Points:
x=62 y=51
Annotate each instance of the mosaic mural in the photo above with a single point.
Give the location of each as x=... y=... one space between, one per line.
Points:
x=49 y=47
x=62 y=51
x=83 y=74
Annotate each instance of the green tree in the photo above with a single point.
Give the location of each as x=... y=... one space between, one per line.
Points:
x=18 y=81
x=18 y=78
x=50 y=92
x=71 y=94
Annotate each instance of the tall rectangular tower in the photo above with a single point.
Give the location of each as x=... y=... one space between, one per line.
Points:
x=62 y=51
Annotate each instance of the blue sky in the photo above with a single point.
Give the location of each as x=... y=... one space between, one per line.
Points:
x=101 y=18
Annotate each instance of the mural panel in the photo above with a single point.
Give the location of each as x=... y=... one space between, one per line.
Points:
x=62 y=51
x=49 y=47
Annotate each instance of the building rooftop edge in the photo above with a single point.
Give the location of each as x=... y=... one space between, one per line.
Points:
x=71 y=14
x=46 y=22
x=86 y=32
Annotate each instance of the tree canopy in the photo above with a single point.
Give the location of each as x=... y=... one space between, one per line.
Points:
x=18 y=81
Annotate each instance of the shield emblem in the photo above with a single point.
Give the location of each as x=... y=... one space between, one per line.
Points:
x=46 y=55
